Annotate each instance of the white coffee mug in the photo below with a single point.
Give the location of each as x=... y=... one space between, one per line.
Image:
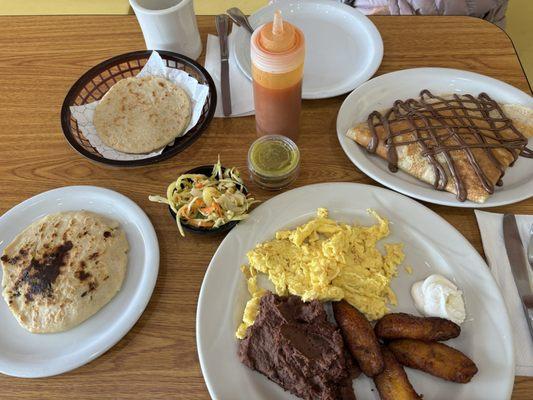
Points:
x=169 y=25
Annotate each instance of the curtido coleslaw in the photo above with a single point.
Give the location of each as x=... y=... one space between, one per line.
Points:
x=207 y=201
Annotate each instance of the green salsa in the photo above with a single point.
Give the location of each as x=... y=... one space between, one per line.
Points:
x=273 y=158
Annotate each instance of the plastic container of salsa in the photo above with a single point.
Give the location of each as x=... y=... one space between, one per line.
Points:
x=273 y=162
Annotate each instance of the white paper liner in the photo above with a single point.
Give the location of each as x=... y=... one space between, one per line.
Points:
x=155 y=66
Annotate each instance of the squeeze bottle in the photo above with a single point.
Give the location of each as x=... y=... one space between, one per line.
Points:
x=278 y=52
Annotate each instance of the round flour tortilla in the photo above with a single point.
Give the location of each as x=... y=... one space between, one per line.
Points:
x=140 y=115
x=62 y=269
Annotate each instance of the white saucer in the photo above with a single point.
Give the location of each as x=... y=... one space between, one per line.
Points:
x=343 y=47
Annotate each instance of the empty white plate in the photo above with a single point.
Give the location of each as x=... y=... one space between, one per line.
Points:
x=380 y=93
x=431 y=245
x=343 y=47
x=30 y=355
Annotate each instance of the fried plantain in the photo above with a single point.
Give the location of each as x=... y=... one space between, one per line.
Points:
x=407 y=326
x=360 y=338
x=434 y=358
x=392 y=383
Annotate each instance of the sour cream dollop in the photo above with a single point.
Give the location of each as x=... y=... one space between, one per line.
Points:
x=436 y=296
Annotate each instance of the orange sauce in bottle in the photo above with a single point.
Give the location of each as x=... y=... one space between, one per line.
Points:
x=278 y=52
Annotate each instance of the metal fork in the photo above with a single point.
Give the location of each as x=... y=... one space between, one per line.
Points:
x=238 y=17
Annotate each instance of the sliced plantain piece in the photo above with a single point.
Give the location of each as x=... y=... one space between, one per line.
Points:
x=392 y=383
x=434 y=358
x=407 y=326
x=360 y=338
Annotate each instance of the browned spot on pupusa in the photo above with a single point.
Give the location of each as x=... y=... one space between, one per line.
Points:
x=13 y=260
x=82 y=275
x=92 y=286
x=40 y=275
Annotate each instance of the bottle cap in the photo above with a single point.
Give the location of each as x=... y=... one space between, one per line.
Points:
x=277 y=46
x=277 y=36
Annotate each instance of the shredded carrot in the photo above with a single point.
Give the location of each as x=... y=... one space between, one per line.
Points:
x=217 y=208
x=186 y=195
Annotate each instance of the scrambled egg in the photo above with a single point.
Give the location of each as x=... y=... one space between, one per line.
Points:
x=328 y=261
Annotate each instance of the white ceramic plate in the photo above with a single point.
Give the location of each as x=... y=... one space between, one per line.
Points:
x=343 y=47
x=380 y=93
x=29 y=355
x=431 y=246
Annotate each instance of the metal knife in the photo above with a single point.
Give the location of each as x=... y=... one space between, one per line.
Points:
x=519 y=266
x=222 y=24
x=530 y=247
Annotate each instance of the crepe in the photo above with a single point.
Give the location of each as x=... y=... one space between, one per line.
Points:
x=461 y=144
x=140 y=115
x=62 y=269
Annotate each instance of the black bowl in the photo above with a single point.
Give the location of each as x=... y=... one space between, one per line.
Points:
x=206 y=170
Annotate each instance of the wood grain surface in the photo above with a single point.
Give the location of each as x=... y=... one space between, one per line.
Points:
x=41 y=59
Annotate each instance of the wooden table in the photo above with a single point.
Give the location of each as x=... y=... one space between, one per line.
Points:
x=43 y=56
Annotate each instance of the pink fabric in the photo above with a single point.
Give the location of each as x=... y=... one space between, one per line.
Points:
x=491 y=10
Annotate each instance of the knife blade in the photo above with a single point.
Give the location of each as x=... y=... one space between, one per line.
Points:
x=530 y=247
x=519 y=266
x=222 y=24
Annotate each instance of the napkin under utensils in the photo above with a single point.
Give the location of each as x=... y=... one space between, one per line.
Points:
x=242 y=98
x=491 y=229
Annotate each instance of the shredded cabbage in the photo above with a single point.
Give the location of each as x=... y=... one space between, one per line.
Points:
x=207 y=201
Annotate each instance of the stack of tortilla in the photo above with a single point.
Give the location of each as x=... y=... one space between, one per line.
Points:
x=140 y=115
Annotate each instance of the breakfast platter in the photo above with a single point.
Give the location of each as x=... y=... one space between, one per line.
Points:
x=224 y=294
x=286 y=271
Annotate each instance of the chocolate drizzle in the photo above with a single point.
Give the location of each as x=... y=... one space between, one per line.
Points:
x=441 y=126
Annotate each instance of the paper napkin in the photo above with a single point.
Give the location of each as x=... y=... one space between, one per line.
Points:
x=490 y=226
x=155 y=66
x=242 y=98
